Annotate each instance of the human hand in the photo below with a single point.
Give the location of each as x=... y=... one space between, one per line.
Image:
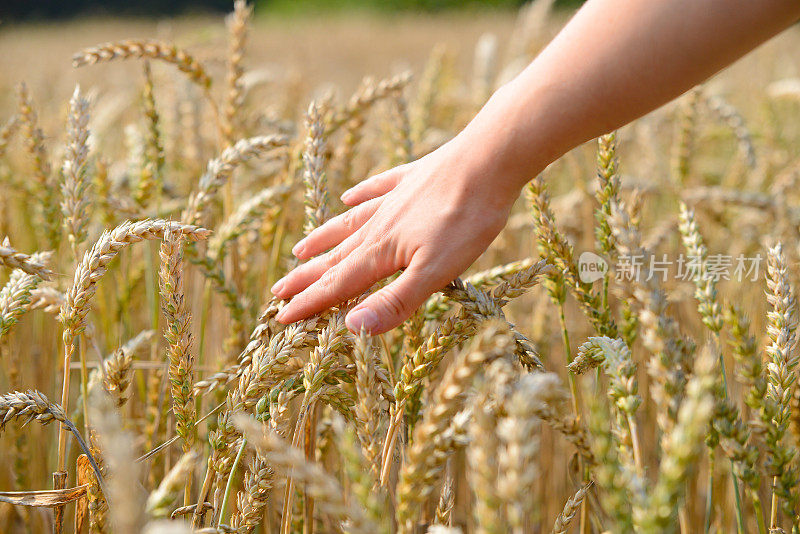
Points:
x=431 y=218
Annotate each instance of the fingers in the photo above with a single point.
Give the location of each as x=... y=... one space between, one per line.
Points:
x=308 y=273
x=390 y=306
x=335 y=230
x=354 y=275
x=378 y=185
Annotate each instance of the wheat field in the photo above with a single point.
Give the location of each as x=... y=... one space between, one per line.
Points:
x=622 y=358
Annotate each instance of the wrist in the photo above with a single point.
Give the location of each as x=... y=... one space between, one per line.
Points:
x=509 y=138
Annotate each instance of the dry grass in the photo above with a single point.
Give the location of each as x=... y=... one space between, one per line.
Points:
x=144 y=220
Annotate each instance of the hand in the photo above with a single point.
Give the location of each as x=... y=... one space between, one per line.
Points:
x=431 y=218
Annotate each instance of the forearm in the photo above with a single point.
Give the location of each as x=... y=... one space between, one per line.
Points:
x=615 y=61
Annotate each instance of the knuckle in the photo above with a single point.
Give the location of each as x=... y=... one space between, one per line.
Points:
x=374 y=257
x=392 y=302
x=326 y=281
x=348 y=219
x=334 y=256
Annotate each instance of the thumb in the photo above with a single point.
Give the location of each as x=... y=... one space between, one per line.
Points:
x=393 y=304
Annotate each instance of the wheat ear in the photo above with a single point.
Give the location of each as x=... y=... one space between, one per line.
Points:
x=234 y=96
x=11 y=258
x=179 y=336
x=15 y=296
x=32 y=405
x=316 y=198
x=42 y=172
x=75 y=186
x=159 y=501
x=117 y=375
x=681 y=447
x=367 y=408
x=781 y=328
x=561 y=525
x=144 y=49
x=365 y=98
x=220 y=170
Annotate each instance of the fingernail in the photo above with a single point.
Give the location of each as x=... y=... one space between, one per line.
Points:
x=298 y=248
x=277 y=288
x=362 y=318
x=346 y=195
x=281 y=314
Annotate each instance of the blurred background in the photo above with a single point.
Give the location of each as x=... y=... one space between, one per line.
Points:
x=37 y=9
x=302 y=48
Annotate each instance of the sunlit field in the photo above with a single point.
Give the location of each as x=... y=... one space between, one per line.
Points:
x=622 y=359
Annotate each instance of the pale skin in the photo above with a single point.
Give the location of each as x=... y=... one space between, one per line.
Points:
x=615 y=61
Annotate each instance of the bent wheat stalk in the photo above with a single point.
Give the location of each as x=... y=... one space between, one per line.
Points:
x=92 y=268
x=34 y=406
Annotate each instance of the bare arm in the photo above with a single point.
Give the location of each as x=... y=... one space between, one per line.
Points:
x=613 y=62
